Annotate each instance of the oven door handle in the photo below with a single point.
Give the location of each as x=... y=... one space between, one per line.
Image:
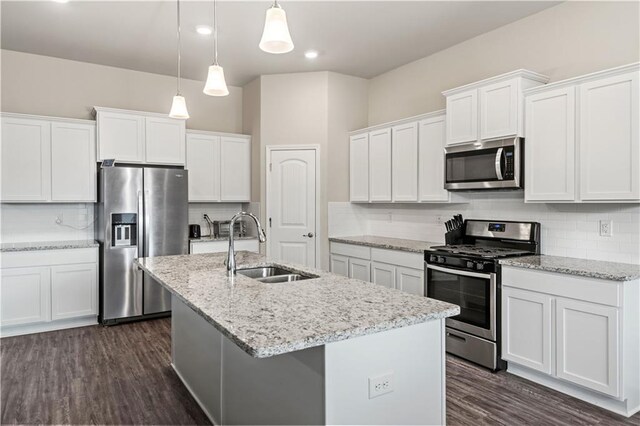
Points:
x=458 y=272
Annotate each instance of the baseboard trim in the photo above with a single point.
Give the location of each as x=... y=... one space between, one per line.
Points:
x=43 y=327
x=202 y=406
x=602 y=401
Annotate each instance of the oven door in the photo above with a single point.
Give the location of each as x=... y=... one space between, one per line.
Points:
x=474 y=292
x=483 y=165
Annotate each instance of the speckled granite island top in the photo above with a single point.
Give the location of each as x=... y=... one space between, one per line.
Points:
x=271 y=319
x=47 y=245
x=611 y=271
x=414 y=246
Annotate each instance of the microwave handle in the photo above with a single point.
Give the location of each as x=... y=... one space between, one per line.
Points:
x=499 y=163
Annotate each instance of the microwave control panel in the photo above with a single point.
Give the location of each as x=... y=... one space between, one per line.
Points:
x=509 y=166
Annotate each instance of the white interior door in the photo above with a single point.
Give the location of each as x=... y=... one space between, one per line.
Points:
x=291 y=196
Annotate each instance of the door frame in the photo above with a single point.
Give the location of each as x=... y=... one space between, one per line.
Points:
x=318 y=232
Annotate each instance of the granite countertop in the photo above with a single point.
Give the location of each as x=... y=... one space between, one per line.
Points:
x=47 y=245
x=413 y=246
x=208 y=239
x=267 y=319
x=611 y=271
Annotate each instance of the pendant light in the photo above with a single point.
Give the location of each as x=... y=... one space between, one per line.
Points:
x=179 y=105
x=276 y=37
x=215 y=85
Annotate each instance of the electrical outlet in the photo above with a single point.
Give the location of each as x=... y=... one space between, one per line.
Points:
x=59 y=219
x=606 y=228
x=380 y=385
x=439 y=220
x=389 y=217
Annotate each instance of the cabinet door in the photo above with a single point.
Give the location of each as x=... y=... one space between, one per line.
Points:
x=499 y=109
x=380 y=165
x=383 y=274
x=73 y=291
x=203 y=163
x=121 y=136
x=609 y=143
x=526 y=328
x=359 y=168
x=410 y=280
x=339 y=265
x=404 y=162
x=431 y=137
x=550 y=146
x=26 y=160
x=164 y=140
x=24 y=296
x=359 y=269
x=73 y=162
x=462 y=117
x=587 y=338
x=235 y=178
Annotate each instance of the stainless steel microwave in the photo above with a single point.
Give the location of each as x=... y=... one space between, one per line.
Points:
x=494 y=164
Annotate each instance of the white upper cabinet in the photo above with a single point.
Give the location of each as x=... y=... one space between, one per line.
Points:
x=404 y=167
x=140 y=137
x=582 y=140
x=26 y=159
x=164 y=140
x=550 y=146
x=121 y=136
x=359 y=167
x=609 y=145
x=47 y=159
x=380 y=165
x=73 y=162
x=219 y=166
x=489 y=109
x=203 y=163
x=235 y=178
x=462 y=117
x=431 y=141
x=499 y=109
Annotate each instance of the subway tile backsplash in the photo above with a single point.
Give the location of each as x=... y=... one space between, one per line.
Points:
x=570 y=230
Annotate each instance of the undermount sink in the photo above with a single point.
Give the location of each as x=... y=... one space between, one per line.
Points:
x=273 y=274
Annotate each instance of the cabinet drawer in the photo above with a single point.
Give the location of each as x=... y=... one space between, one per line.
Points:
x=398 y=257
x=351 y=250
x=581 y=288
x=48 y=257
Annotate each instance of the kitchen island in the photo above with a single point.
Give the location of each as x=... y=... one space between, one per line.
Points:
x=326 y=350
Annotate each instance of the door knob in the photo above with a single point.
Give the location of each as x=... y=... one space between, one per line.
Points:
x=310 y=235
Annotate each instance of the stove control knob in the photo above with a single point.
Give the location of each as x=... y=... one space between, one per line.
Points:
x=441 y=259
x=479 y=266
x=470 y=265
x=433 y=259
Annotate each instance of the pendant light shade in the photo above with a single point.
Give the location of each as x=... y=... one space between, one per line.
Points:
x=179 y=105
x=276 y=37
x=215 y=85
x=179 y=108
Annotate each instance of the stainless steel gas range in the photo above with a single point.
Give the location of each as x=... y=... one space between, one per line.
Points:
x=468 y=275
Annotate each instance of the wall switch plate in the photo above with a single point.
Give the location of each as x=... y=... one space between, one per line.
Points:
x=606 y=228
x=380 y=385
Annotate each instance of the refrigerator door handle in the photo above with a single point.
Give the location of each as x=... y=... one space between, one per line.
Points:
x=140 y=241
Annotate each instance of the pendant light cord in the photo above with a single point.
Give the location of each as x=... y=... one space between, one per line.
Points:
x=179 y=45
x=215 y=34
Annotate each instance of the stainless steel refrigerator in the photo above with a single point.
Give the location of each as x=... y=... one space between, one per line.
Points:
x=141 y=212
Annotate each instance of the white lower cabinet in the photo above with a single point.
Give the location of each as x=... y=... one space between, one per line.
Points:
x=48 y=290
x=389 y=268
x=574 y=334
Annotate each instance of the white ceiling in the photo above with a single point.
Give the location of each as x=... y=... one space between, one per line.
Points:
x=361 y=38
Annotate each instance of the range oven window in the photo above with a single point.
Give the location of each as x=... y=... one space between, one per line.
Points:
x=470 y=293
x=472 y=166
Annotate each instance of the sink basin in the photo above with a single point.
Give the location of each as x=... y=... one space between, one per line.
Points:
x=273 y=274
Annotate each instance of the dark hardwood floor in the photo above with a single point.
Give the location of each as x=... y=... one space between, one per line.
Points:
x=121 y=375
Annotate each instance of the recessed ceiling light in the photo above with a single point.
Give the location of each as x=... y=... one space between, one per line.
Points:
x=61 y=1
x=311 y=54
x=204 y=29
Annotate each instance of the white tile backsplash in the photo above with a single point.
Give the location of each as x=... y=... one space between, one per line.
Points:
x=37 y=222
x=567 y=229
x=220 y=211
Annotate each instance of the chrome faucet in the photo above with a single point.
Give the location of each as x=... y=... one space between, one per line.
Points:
x=231 y=255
